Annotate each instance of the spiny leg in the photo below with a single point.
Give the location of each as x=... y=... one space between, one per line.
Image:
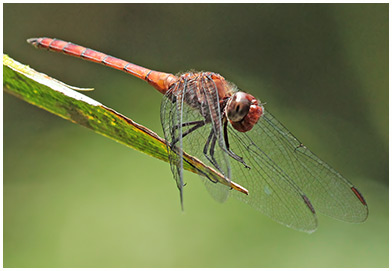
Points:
x=228 y=150
x=175 y=127
x=212 y=152
x=203 y=173
x=197 y=124
x=211 y=145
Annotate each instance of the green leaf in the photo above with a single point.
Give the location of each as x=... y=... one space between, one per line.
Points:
x=62 y=100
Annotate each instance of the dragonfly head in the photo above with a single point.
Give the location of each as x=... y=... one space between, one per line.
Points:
x=243 y=111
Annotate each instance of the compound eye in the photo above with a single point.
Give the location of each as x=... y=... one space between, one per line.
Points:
x=238 y=107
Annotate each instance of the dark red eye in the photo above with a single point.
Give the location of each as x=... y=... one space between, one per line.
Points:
x=237 y=107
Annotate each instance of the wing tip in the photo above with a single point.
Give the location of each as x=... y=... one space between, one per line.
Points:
x=359 y=195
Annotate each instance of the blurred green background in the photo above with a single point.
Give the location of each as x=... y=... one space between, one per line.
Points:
x=73 y=198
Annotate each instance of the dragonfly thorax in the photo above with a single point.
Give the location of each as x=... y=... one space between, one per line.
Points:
x=202 y=91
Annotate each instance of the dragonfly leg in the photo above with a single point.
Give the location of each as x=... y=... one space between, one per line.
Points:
x=187 y=124
x=228 y=150
x=205 y=175
x=210 y=144
x=205 y=150
x=197 y=124
x=212 y=152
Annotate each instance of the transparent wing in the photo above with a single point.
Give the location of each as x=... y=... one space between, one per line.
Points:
x=197 y=132
x=283 y=171
x=217 y=151
x=330 y=192
x=271 y=190
x=171 y=117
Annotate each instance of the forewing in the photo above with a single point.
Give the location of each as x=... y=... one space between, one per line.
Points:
x=285 y=177
x=329 y=192
x=271 y=190
x=172 y=117
x=187 y=114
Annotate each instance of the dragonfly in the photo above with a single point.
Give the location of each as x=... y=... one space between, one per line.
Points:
x=208 y=117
